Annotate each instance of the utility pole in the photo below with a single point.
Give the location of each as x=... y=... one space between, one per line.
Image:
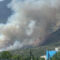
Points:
x=30 y=54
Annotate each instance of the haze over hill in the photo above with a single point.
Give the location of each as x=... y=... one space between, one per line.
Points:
x=29 y=22
x=53 y=39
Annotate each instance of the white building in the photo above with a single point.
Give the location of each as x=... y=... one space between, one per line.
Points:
x=57 y=49
x=44 y=56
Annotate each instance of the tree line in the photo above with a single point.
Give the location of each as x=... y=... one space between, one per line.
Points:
x=6 y=55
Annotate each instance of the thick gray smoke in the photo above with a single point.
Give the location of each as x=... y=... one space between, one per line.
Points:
x=30 y=23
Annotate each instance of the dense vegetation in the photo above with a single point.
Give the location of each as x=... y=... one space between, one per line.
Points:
x=8 y=56
x=36 y=51
x=56 y=56
x=13 y=55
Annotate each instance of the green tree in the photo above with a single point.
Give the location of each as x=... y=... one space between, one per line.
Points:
x=5 y=55
x=16 y=57
x=42 y=59
x=56 y=56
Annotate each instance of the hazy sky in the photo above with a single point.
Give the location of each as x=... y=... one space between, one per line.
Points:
x=28 y=22
x=5 y=12
x=1 y=0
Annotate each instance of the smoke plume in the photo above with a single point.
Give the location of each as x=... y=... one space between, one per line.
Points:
x=30 y=23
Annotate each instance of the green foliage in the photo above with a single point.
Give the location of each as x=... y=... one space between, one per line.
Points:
x=36 y=51
x=5 y=55
x=8 y=56
x=41 y=59
x=56 y=56
x=16 y=57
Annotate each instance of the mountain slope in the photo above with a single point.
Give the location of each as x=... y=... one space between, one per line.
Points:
x=54 y=38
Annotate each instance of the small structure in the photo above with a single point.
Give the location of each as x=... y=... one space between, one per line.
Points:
x=57 y=49
x=44 y=56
